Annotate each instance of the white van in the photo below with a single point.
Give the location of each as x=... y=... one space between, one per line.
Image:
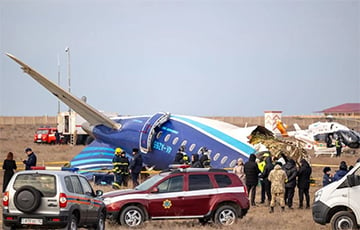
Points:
x=339 y=202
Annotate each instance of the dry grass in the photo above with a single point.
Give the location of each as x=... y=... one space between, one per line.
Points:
x=17 y=138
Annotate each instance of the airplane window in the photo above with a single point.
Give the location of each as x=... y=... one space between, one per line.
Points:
x=216 y=157
x=167 y=137
x=233 y=163
x=224 y=159
x=192 y=147
x=158 y=135
x=184 y=142
x=176 y=139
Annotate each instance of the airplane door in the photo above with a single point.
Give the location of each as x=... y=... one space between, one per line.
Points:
x=66 y=124
x=147 y=133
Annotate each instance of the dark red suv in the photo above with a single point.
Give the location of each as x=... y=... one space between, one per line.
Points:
x=192 y=193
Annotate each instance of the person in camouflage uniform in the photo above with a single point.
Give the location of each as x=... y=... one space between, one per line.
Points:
x=278 y=178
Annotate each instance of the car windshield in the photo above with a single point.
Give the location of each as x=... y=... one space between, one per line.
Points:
x=149 y=182
x=42 y=131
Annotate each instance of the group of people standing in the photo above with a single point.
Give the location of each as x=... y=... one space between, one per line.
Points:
x=201 y=160
x=122 y=168
x=277 y=180
x=9 y=165
x=328 y=177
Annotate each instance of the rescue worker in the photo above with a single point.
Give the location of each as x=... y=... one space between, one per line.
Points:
x=185 y=158
x=181 y=156
x=267 y=184
x=338 y=146
x=204 y=159
x=261 y=165
x=121 y=168
x=277 y=177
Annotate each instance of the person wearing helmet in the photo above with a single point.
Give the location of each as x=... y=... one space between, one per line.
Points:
x=204 y=159
x=120 y=168
x=181 y=157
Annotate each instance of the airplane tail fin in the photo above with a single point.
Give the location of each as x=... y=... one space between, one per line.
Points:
x=297 y=127
x=282 y=128
x=89 y=113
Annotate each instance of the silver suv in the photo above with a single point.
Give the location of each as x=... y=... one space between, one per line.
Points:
x=52 y=199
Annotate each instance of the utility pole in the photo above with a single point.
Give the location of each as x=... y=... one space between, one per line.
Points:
x=58 y=80
x=72 y=132
x=67 y=50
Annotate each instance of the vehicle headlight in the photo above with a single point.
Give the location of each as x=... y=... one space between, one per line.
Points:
x=317 y=195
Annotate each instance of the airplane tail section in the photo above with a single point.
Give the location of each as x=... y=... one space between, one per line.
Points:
x=96 y=157
x=90 y=114
x=297 y=127
x=282 y=128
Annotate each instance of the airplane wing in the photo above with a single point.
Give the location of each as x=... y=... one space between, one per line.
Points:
x=89 y=113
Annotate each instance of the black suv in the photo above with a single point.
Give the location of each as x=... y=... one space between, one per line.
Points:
x=52 y=199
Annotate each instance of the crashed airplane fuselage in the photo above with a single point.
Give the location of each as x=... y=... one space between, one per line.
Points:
x=158 y=136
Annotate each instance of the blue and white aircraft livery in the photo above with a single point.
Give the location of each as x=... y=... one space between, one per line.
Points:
x=158 y=136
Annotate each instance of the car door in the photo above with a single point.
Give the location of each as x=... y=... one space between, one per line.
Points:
x=197 y=198
x=167 y=199
x=92 y=208
x=354 y=191
x=79 y=198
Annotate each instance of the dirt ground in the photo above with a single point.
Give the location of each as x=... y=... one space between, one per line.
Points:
x=16 y=138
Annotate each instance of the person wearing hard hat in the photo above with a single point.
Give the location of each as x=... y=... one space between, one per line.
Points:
x=204 y=159
x=120 y=168
x=180 y=155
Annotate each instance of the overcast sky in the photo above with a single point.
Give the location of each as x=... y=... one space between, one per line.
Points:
x=192 y=57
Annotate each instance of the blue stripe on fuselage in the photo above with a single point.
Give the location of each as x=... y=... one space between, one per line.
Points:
x=222 y=136
x=94 y=151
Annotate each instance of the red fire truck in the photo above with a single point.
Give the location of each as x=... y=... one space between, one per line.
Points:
x=45 y=135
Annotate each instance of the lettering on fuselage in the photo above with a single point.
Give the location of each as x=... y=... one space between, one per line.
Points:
x=162 y=147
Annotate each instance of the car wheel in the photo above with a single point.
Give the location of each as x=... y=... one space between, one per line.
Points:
x=4 y=227
x=27 y=199
x=343 y=220
x=132 y=216
x=225 y=215
x=72 y=224
x=204 y=221
x=101 y=222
